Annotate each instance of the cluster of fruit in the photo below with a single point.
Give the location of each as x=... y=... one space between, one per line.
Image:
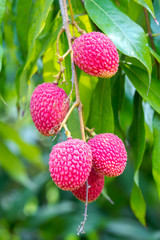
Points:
x=73 y=162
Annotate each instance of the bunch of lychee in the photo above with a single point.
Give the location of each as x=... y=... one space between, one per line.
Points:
x=73 y=162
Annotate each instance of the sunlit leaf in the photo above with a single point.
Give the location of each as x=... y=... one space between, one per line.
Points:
x=40 y=10
x=148 y=5
x=128 y=37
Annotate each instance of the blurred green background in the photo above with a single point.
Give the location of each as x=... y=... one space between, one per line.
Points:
x=31 y=206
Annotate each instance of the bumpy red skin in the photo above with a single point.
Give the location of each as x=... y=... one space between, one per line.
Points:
x=48 y=107
x=109 y=154
x=70 y=163
x=96 y=54
x=96 y=183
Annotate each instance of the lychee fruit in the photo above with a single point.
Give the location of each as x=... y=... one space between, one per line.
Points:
x=96 y=54
x=48 y=107
x=70 y=163
x=109 y=154
x=96 y=184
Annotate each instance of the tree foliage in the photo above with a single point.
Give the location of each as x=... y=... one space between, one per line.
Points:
x=128 y=104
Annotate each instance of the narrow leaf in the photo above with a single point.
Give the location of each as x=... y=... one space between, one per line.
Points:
x=117 y=100
x=154 y=27
x=138 y=204
x=148 y=5
x=137 y=142
x=101 y=113
x=140 y=80
x=155 y=55
x=39 y=13
x=156 y=151
x=22 y=22
x=77 y=7
x=128 y=37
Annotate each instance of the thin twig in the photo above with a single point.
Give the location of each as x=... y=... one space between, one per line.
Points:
x=78 y=28
x=90 y=131
x=63 y=7
x=65 y=119
x=67 y=132
x=81 y=228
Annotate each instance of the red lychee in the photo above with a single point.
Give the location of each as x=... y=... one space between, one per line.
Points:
x=70 y=163
x=96 y=54
x=96 y=184
x=109 y=154
x=48 y=107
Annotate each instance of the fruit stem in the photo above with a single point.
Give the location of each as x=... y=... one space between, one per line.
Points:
x=90 y=131
x=64 y=13
x=73 y=22
x=67 y=132
x=81 y=228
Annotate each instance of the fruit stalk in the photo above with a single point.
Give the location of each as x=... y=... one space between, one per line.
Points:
x=63 y=7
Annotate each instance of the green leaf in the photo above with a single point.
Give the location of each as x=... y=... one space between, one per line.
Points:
x=138 y=204
x=137 y=142
x=77 y=7
x=155 y=55
x=154 y=27
x=22 y=22
x=30 y=152
x=40 y=10
x=87 y=85
x=156 y=151
x=128 y=37
x=140 y=80
x=101 y=113
x=2 y=9
x=117 y=100
x=74 y=124
x=12 y=165
x=148 y=5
